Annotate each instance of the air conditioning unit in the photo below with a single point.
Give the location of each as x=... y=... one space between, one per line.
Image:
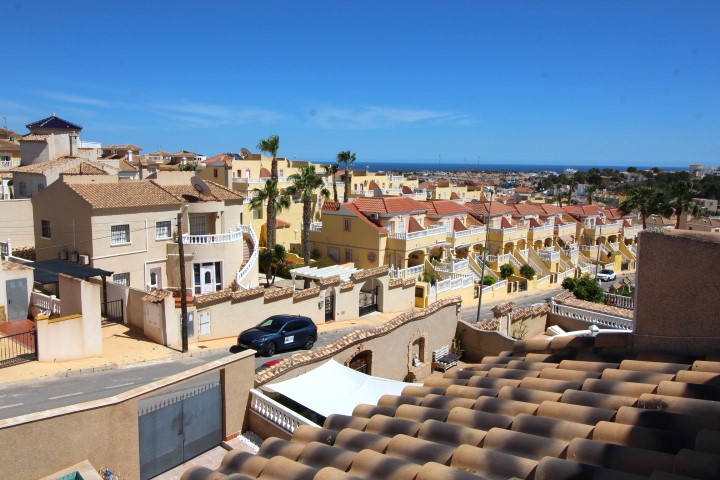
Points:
x=374 y=216
x=85 y=259
x=73 y=257
x=62 y=255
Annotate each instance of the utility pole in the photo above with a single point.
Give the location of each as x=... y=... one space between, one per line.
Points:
x=183 y=297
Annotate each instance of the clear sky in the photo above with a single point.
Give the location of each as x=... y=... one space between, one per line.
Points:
x=578 y=82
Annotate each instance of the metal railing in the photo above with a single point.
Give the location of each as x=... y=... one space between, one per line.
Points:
x=440 y=230
x=241 y=274
x=18 y=348
x=215 y=238
x=276 y=413
x=591 y=317
x=48 y=303
x=113 y=311
x=619 y=301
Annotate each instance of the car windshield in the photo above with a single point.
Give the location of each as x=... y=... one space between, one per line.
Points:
x=271 y=325
x=607 y=272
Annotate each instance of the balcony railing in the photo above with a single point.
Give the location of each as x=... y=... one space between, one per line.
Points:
x=392 y=191
x=258 y=180
x=245 y=271
x=316 y=227
x=456 y=281
x=619 y=301
x=9 y=163
x=397 y=178
x=468 y=232
x=589 y=316
x=216 y=238
x=48 y=303
x=453 y=266
x=408 y=272
x=440 y=230
x=276 y=413
x=549 y=255
x=543 y=228
x=542 y=280
x=504 y=231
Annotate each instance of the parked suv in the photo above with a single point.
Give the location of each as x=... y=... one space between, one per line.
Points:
x=606 y=275
x=279 y=332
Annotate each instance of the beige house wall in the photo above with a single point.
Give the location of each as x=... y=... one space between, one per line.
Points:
x=17 y=222
x=105 y=432
x=362 y=239
x=677 y=292
x=13 y=274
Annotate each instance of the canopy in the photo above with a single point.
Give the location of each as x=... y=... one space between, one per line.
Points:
x=315 y=273
x=47 y=271
x=334 y=388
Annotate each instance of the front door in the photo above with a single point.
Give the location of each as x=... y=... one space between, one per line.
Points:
x=207 y=278
x=17 y=299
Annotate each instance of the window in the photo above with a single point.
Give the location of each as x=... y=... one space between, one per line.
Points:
x=215 y=172
x=122 y=279
x=348 y=255
x=120 y=234
x=23 y=189
x=163 y=229
x=346 y=224
x=40 y=187
x=257 y=214
x=45 y=227
x=197 y=225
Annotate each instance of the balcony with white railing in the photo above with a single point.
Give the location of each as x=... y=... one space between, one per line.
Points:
x=453 y=266
x=213 y=238
x=89 y=145
x=540 y=233
x=603 y=230
x=456 y=281
x=631 y=231
x=590 y=317
x=409 y=272
x=258 y=180
x=471 y=236
x=397 y=178
x=619 y=301
x=276 y=413
x=549 y=255
x=47 y=303
x=509 y=234
x=316 y=227
x=438 y=231
x=392 y=191
x=564 y=230
x=542 y=280
x=9 y=163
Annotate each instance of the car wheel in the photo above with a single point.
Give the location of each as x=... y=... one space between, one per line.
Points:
x=270 y=349
x=309 y=342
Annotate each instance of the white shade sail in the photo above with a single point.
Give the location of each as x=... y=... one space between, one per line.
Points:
x=334 y=388
x=315 y=273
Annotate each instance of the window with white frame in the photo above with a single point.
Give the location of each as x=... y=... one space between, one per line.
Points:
x=163 y=229
x=122 y=279
x=45 y=228
x=120 y=234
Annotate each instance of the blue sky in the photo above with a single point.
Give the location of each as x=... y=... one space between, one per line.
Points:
x=563 y=82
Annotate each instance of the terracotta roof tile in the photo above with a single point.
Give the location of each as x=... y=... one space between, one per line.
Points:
x=128 y=194
x=42 y=167
x=125 y=147
x=85 y=168
x=331 y=206
x=352 y=208
x=35 y=137
x=443 y=207
x=389 y=205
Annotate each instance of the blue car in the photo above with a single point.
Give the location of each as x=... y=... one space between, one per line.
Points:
x=279 y=332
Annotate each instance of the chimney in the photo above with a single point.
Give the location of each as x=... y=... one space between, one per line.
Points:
x=228 y=176
x=140 y=169
x=129 y=156
x=73 y=144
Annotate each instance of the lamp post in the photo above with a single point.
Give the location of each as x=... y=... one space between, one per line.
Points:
x=485 y=249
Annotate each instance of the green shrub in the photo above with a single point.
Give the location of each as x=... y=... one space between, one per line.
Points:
x=585 y=288
x=431 y=277
x=322 y=262
x=488 y=280
x=315 y=254
x=527 y=271
x=506 y=270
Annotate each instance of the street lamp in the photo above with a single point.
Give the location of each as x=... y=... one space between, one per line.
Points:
x=485 y=249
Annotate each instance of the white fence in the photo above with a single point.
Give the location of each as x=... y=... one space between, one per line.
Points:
x=588 y=316
x=619 y=301
x=543 y=228
x=453 y=266
x=468 y=232
x=455 y=282
x=45 y=302
x=406 y=272
x=549 y=255
x=562 y=275
x=542 y=280
x=276 y=413
x=316 y=227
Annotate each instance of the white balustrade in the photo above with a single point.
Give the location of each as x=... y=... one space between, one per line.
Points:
x=549 y=255
x=502 y=284
x=542 y=280
x=45 y=302
x=542 y=228
x=588 y=316
x=504 y=231
x=316 y=227
x=452 y=266
x=241 y=274
x=259 y=180
x=468 y=232
x=9 y=163
x=392 y=191
x=276 y=413
x=396 y=178
x=216 y=238
x=455 y=281
x=406 y=272
x=439 y=230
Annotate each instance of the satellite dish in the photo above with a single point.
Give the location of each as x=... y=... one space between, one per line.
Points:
x=200 y=185
x=245 y=153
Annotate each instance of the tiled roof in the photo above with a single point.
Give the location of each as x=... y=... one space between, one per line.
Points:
x=523 y=190
x=458 y=225
x=126 y=166
x=454 y=196
x=42 y=167
x=354 y=210
x=53 y=122
x=527 y=209
x=443 y=207
x=331 y=206
x=6 y=145
x=550 y=209
x=281 y=223
x=125 y=147
x=127 y=194
x=414 y=226
x=84 y=168
x=583 y=210
x=481 y=208
x=265 y=173
x=13 y=266
x=6 y=133
x=217 y=192
x=406 y=189
x=34 y=137
x=223 y=158
x=391 y=205
x=373 y=185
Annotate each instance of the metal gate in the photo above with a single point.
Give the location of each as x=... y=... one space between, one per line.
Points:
x=17 y=348
x=368 y=301
x=329 y=308
x=178 y=426
x=113 y=311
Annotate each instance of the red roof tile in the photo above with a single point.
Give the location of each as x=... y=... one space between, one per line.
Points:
x=389 y=205
x=443 y=207
x=331 y=206
x=354 y=210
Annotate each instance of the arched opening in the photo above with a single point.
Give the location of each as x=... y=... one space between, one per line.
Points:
x=549 y=242
x=368 y=297
x=538 y=244
x=509 y=247
x=417 y=352
x=362 y=362
x=416 y=258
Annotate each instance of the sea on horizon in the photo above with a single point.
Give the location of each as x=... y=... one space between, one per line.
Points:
x=489 y=167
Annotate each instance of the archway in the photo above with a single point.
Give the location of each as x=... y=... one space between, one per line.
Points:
x=416 y=258
x=362 y=362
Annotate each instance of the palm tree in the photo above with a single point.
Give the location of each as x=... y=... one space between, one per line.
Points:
x=680 y=198
x=270 y=193
x=271 y=145
x=331 y=170
x=305 y=182
x=346 y=158
x=643 y=198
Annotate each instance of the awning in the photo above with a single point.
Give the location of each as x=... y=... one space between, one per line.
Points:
x=567 y=239
x=47 y=271
x=333 y=388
